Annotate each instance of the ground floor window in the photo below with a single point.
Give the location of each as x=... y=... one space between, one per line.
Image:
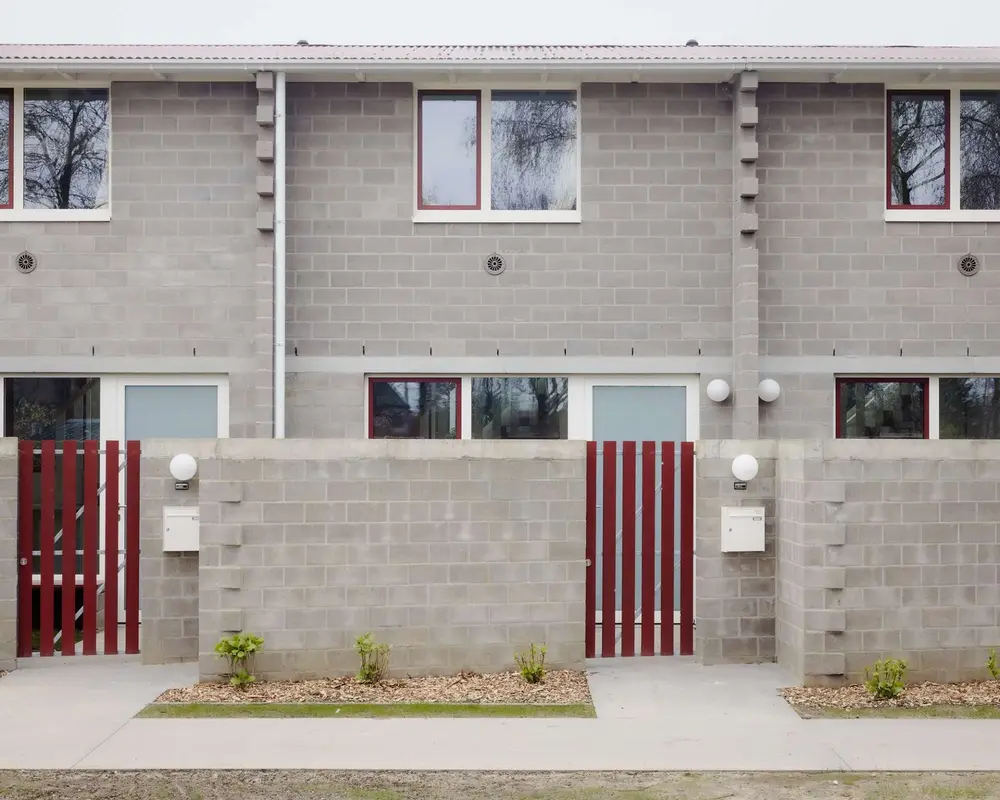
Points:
x=945 y=407
x=414 y=408
x=520 y=408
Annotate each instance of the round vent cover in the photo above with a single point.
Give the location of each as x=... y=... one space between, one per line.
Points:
x=26 y=262
x=968 y=265
x=495 y=264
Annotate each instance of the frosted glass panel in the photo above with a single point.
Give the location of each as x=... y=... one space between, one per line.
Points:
x=171 y=412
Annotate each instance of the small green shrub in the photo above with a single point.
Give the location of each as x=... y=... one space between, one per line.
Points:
x=239 y=650
x=374 y=659
x=885 y=679
x=532 y=663
x=992 y=666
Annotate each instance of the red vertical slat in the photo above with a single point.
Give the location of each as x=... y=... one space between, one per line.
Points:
x=25 y=540
x=91 y=543
x=687 y=548
x=667 y=549
x=647 y=605
x=131 y=547
x=68 y=542
x=628 y=548
x=610 y=524
x=590 y=614
x=47 y=565
x=111 y=549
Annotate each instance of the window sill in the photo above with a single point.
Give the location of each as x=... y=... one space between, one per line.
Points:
x=541 y=217
x=55 y=215
x=943 y=215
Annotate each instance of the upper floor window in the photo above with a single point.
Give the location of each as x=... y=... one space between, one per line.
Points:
x=497 y=155
x=54 y=153
x=944 y=152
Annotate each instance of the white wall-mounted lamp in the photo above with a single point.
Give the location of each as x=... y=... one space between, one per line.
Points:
x=717 y=390
x=745 y=467
x=768 y=390
x=182 y=469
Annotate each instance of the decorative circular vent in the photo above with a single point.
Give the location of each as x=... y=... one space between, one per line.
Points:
x=26 y=262
x=968 y=265
x=495 y=264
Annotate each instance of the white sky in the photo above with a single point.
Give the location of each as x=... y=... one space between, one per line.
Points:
x=916 y=22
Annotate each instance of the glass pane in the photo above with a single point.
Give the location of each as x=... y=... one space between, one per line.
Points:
x=519 y=408
x=980 y=136
x=6 y=110
x=882 y=410
x=171 y=412
x=66 y=148
x=533 y=159
x=917 y=160
x=53 y=409
x=414 y=409
x=449 y=148
x=970 y=408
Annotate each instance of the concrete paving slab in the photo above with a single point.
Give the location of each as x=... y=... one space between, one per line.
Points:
x=55 y=712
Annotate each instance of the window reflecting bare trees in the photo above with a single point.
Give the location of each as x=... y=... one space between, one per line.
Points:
x=6 y=122
x=980 y=137
x=918 y=131
x=417 y=409
x=520 y=408
x=533 y=159
x=970 y=408
x=881 y=409
x=66 y=148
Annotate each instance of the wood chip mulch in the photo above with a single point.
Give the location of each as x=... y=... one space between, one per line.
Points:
x=917 y=695
x=560 y=687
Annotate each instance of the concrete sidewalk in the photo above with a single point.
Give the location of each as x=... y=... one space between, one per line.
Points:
x=665 y=714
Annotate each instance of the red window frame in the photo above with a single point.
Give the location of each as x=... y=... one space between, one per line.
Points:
x=373 y=379
x=8 y=95
x=841 y=382
x=945 y=95
x=420 y=147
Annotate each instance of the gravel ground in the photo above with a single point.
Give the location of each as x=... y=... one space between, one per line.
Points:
x=917 y=695
x=492 y=786
x=559 y=687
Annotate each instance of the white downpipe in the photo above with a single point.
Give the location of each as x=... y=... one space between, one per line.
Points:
x=279 y=256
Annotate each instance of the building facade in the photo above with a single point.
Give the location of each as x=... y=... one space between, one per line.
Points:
x=661 y=219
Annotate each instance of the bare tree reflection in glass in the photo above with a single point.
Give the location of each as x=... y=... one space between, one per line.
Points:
x=66 y=145
x=533 y=162
x=917 y=158
x=980 y=136
x=519 y=408
x=6 y=106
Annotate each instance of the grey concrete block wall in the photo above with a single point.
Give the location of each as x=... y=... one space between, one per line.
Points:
x=898 y=555
x=169 y=283
x=734 y=593
x=458 y=554
x=8 y=554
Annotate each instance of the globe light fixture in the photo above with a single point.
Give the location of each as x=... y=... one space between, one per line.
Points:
x=717 y=390
x=768 y=390
x=745 y=467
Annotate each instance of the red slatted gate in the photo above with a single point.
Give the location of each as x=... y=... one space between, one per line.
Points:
x=640 y=527
x=61 y=488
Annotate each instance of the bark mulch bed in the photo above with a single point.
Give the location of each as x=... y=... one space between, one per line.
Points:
x=560 y=687
x=917 y=695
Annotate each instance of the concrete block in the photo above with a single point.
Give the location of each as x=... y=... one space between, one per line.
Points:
x=265 y=185
x=265 y=149
x=265 y=81
x=265 y=114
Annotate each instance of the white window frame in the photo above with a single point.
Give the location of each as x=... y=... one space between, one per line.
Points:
x=20 y=214
x=484 y=213
x=955 y=213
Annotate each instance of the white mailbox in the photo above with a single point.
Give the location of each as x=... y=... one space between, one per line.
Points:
x=180 y=529
x=743 y=529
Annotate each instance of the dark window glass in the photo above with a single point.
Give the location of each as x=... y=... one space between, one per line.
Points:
x=918 y=153
x=980 y=137
x=66 y=148
x=6 y=120
x=533 y=162
x=419 y=409
x=449 y=150
x=970 y=408
x=54 y=409
x=881 y=409
x=519 y=408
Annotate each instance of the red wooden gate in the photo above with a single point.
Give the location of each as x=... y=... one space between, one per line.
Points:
x=662 y=503
x=59 y=513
